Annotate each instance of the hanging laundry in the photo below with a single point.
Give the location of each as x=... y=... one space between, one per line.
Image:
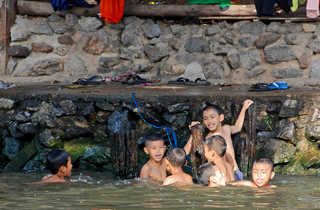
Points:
x=111 y=10
x=295 y=5
x=224 y=4
x=63 y=5
x=313 y=8
x=266 y=7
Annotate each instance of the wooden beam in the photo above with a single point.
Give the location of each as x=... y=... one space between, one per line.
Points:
x=7 y=18
x=44 y=9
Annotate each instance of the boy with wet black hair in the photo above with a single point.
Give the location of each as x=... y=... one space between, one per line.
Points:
x=212 y=119
x=175 y=160
x=262 y=173
x=209 y=175
x=215 y=148
x=155 y=168
x=60 y=166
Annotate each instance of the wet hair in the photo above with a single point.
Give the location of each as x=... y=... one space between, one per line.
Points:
x=177 y=157
x=204 y=172
x=217 y=144
x=151 y=138
x=265 y=161
x=214 y=107
x=55 y=159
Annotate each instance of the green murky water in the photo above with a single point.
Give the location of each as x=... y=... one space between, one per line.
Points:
x=98 y=191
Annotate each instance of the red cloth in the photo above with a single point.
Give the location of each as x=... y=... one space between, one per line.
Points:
x=111 y=10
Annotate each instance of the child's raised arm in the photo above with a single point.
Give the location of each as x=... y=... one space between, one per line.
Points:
x=187 y=147
x=244 y=183
x=236 y=128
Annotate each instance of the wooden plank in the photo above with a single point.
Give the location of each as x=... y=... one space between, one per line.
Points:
x=44 y=9
x=291 y=19
x=7 y=18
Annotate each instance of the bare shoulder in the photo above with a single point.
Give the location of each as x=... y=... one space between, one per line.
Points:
x=226 y=129
x=144 y=173
x=189 y=178
x=169 y=180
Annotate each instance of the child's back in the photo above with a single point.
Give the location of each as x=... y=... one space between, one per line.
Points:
x=175 y=160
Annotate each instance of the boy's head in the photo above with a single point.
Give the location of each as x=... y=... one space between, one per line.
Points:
x=212 y=116
x=262 y=172
x=59 y=161
x=208 y=172
x=176 y=158
x=214 y=145
x=155 y=147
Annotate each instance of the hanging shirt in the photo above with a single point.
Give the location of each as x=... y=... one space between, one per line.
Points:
x=266 y=7
x=63 y=5
x=313 y=8
x=111 y=10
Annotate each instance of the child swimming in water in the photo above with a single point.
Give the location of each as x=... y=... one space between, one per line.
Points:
x=215 y=151
x=175 y=160
x=212 y=119
x=155 y=168
x=209 y=175
x=60 y=166
x=262 y=173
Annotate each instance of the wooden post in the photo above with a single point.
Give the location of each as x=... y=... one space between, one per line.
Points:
x=7 y=18
x=124 y=148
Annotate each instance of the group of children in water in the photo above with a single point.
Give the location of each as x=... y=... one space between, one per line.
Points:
x=220 y=170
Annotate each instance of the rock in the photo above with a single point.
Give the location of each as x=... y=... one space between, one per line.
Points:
x=14 y=131
x=98 y=155
x=314 y=45
x=75 y=67
x=71 y=19
x=65 y=39
x=177 y=29
x=34 y=166
x=68 y=107
x=60 y=28
x=132 y=35
x=277 y=54
x=254 y=28
x=61 y=50
x=85 y=109
x=11 y=147
x=213 y=71
x=131 y=53
x=43 y=120
x=94 y=46
x=246 y=41
x=230 y=37
x=49 y=138
x=176 y=70
x=100 y=134
x=265 y=135
x=284 y=152
x=196 y=44
x=6 y=103
x=46 y=67
x=156 y=53
x=102 y=117
x=304 y=58
x=54 y=18
x=286 y=73
x=309 y=27
x=249 y=58
x=105 y=106
x=109 y=60
x=266 y=39
x=49 y=109
x=41 y=47
x=193 y=71
x=279 y=28
x=180 y=107
x=23 y=117
x=212 y=30
x=152 y=30
x=41 y=28
x=18 y=51
x=221 y=49
x=22 y=157
x=12 y=63
x=312 y=132
x=255 y=72
x=90 y=24
x=289 y=108
x=20 y=31
x=119 y=122
x=233 y=59
x=298 y=38
x=315 y=69
x=286 y=130
x=141 y=66
x=27 y=128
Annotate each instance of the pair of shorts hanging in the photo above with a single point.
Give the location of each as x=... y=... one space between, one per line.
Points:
x=112 y=10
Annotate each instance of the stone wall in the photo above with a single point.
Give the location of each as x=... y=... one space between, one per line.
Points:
x=31 y=125
x=63 y=48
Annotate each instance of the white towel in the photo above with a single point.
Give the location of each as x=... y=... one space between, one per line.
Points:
x=313 y=8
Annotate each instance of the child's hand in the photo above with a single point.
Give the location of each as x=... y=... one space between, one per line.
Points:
x=193 y=124
x=247 y=103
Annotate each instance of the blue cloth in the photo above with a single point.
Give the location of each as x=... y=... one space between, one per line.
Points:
x=63 y=5
x=238 y=175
